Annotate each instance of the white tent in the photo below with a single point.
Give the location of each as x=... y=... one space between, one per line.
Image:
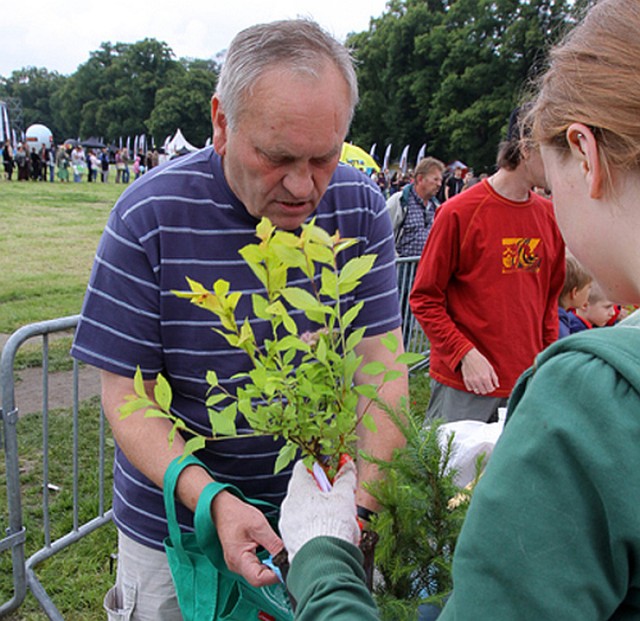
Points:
x=179 y=145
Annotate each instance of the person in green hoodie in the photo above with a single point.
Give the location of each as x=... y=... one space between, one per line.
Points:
x=553 y=529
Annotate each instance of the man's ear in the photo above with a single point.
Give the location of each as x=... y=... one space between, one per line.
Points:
x=220 y=126
x=584 y=147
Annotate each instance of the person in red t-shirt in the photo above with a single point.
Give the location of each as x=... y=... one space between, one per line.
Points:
x=487 y=285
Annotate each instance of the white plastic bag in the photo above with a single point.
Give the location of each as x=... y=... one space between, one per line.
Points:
x=472 y=438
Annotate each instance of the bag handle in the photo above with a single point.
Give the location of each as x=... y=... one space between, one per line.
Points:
x=170 y=482
x=203 y=524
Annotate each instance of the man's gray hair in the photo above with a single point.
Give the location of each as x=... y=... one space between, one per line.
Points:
x=300 y=45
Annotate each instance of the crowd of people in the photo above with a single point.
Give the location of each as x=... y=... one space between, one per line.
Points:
x=552 y=530
x=73 y=162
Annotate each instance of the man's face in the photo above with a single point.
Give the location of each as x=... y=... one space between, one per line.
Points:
x=287 y=142
x=534 y=168
x=427 y=185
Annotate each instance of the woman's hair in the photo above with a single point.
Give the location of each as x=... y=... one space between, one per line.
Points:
x=299 y=45
x=594 y=78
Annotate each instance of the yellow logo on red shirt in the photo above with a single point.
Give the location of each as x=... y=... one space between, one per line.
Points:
x=519 y=255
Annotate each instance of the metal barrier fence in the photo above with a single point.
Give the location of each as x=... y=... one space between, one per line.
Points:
x=24 y=576
x=413 y=337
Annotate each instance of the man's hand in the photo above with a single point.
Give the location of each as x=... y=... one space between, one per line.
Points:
x=307 y=512
x=242 y=529
x=478 y=374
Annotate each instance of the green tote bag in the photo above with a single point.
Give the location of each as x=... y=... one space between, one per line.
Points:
x=207 y=589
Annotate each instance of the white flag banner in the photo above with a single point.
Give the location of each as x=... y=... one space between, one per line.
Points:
x=387 y=155
x=421 y=153
x=404 y=160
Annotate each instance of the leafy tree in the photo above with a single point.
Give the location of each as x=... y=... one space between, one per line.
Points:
x=185 y=103
x=448 y=72
x=390 y=69
x=33 y=87
x=113 y=93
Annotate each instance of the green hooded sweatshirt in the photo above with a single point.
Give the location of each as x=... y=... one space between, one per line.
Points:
x=553 y=530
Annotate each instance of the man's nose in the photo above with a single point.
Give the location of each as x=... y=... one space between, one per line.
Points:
x=299 y=180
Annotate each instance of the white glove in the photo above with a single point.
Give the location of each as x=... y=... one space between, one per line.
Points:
x=308 y=512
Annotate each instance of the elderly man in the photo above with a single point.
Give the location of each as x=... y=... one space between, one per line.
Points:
x=283 y=105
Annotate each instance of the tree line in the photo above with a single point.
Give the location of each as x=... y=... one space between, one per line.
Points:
x=441 y=72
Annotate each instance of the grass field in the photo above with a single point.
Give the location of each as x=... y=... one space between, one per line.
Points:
x=78 y=577
x=48 y=234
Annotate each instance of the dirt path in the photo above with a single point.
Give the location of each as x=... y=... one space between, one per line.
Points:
x=29 y=390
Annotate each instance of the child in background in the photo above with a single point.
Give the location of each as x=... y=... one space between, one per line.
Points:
x=575 y=294
x=598 y=310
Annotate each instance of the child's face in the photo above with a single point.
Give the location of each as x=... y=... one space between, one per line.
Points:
x=580 y=297
x=599 y=313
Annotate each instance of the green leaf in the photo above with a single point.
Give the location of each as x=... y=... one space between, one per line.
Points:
x=351 y=314
x=367 y=390
x=318 y=235
x=344 y=244
x=321 y=350
x=178 y=423
x=291 y=342
x=319 y=254
x=221 y=287
x=251 y=253
x=290 y=324
x=162 y=393
x=290 y=256
x=410 y=358
x=369 y=423
x=353 y=271
x=212 y=379
x=390 y=341
x=223 y=422
x=134 y=405
x=213 y=400
x=193 y=444
x=156 y=413
x=301 y=299
x=354 y=339
x=286 y=455
x=285 y=239
x=260 y=305
x=374 y=368
x=329 y=286
x=138 y=383
x=265 y=229
x=389 y=376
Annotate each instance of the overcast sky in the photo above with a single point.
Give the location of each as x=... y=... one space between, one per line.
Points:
x=60 y=35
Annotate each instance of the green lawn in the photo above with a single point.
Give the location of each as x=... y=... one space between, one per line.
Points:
x=78 y=577
x=48 y=234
